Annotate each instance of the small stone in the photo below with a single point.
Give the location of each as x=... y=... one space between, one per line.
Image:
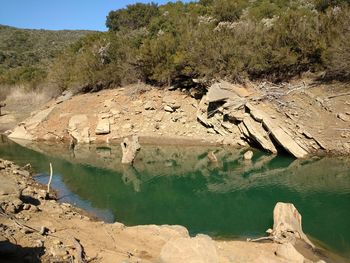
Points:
x=150 y=105
x=248 y=155
x=26 y=206
x=43 y=230
x=56 y=242
x=167 y=108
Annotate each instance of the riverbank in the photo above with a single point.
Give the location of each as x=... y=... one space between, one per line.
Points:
x=35 y=226
x=302 y=118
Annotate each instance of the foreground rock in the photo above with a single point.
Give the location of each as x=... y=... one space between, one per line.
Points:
x=190 y=250
x=287 y=225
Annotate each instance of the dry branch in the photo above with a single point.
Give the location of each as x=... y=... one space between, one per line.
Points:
x=50 y=179
x=80 y=251
x=339 y=95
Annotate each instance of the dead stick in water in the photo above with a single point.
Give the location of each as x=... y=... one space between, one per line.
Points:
x=50 y=179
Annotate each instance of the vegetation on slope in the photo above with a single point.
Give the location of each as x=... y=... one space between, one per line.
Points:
x=237 y=40
x=25 y=55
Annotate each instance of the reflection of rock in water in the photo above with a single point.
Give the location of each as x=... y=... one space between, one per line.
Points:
x=130 y=175
x=231 y=172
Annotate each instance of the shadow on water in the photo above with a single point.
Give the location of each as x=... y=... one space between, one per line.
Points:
x=177 y=185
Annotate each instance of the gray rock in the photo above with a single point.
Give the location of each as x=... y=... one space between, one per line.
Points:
x=217 y=92
x=258 y=134
x=281 y=137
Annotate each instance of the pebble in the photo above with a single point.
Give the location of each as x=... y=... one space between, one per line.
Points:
x=39 y=243
x=56 y=242
x=26 y=206
x=168 y=108
x=43 y=230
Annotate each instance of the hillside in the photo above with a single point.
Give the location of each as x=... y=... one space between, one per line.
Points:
x=240 y=41
x=26 y=53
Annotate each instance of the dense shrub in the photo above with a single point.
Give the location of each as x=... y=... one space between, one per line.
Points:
x=176 y=42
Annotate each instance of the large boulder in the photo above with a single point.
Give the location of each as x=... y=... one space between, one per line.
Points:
x=259 y=135
x=103 y=126
x=276 y=131
x=200 y=249
x=287 y=225
x=78 y=127
x=130 y=147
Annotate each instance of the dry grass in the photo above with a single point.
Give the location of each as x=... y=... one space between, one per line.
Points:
x=18 y=98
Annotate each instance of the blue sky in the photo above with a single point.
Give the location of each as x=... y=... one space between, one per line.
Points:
x=60 y=14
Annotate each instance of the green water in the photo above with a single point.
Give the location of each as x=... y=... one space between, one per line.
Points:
x=177 y=185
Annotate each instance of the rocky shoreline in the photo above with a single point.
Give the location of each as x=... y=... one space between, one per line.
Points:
x=294 y=118
x=35 y=227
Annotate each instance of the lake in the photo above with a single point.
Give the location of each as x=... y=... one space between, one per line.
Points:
x=177 y=185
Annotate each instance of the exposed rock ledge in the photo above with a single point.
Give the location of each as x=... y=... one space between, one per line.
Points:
x=297 y=121
x=33 y=227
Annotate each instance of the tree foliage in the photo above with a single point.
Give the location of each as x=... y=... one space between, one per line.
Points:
x=177 y=42
x=133 y=17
